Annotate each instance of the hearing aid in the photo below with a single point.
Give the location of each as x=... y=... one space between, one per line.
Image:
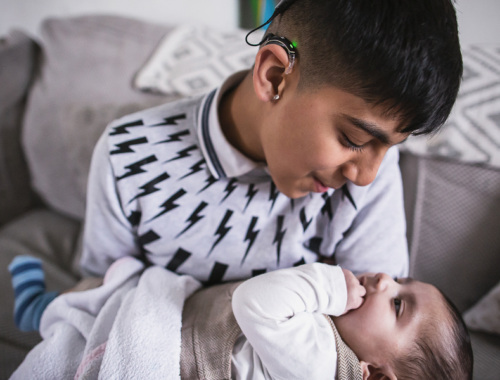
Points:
x=285 y=43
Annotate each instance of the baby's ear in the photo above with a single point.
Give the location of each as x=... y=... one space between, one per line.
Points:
x=371 y=372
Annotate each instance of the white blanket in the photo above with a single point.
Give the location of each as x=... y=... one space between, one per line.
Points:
x=129 y=328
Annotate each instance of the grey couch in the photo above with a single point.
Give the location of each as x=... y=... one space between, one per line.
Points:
x=56 y=97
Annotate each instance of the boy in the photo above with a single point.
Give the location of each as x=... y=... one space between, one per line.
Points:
x=314 y=321
x=278 y=168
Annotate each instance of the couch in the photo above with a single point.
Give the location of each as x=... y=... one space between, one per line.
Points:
x=58 y=93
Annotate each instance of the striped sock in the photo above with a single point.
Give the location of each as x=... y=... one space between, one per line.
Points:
x=28 y=281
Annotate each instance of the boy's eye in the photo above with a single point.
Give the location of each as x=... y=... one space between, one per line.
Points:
x=397 y=304
x=349 y=144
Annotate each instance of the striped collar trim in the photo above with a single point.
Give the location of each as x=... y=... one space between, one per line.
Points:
x=223 y=160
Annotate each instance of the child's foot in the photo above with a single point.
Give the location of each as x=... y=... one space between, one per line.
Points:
x=28 y=281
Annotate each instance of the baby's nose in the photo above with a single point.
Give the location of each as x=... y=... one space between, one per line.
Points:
x=383 y=280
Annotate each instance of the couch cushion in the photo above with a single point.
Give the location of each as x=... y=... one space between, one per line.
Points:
x=453 y=226
x=11 y=357
x=486 y=349
x=50 y=237
x=18 y=55
x=85 y=82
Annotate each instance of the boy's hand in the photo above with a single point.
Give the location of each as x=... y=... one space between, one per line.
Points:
x=355 y=291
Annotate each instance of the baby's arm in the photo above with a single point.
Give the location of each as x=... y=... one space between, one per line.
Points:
x=281 y=315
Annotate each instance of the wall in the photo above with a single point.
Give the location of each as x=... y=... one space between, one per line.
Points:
x=27 y=14
x=478 y=19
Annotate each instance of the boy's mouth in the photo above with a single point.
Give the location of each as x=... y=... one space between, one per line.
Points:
x=319 y=187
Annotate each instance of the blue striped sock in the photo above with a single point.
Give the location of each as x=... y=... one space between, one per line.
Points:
x=28 y=281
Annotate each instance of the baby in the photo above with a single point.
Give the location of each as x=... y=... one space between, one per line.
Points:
x=318 y=321
x=398 y=329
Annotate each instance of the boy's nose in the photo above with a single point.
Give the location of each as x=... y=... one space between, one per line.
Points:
x=363 y=170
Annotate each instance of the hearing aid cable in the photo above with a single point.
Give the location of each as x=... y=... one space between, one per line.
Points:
x=282 y=6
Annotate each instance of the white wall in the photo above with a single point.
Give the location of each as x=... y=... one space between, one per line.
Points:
x=479 y=20
x=27 y=14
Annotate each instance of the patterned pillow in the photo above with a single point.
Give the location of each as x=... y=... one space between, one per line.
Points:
x=472 y=132
x=195 y=59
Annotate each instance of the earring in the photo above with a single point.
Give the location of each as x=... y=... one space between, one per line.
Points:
x=276 y=97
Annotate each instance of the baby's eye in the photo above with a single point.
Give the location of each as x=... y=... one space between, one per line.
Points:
x=397 y=304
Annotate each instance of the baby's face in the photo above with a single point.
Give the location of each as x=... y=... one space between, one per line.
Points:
x=390 y=318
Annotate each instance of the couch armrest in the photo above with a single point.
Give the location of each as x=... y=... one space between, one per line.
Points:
x=18 y=61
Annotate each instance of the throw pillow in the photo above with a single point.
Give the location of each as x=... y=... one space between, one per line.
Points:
x=471 y=133
x=193 y=60
x=85 y=82
x=485 y=315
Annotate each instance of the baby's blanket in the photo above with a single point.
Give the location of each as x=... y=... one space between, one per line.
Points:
x=129 y=328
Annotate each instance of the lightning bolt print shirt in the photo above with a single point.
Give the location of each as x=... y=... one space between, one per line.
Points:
x=167 y=187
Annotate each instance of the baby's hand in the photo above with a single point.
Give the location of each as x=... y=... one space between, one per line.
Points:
x=355 y=291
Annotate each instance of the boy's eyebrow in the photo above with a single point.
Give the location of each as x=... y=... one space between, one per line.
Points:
x=370 y=128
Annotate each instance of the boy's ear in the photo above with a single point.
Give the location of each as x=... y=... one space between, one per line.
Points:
x=269 y=72
x=371 y=372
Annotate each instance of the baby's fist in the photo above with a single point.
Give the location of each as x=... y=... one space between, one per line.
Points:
x=355 y=291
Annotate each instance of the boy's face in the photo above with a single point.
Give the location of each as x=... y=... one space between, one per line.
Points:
x=390 y=318
x=315 y=140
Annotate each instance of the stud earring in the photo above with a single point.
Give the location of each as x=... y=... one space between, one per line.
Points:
x=276 y=97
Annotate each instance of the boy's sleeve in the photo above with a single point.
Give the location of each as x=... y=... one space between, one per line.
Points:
x=376 y=240
x=108 y=234
x=281 y=313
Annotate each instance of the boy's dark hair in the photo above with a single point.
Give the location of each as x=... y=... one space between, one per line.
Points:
x=403 y=54
x=439 y=353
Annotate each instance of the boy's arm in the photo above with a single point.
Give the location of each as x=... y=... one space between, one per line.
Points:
x=376 y=240
x=108 y=234
x=281 y=315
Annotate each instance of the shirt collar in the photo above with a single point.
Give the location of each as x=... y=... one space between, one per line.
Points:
x=223 y=160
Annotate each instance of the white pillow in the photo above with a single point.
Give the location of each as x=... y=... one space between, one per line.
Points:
x=193 y=60
x=485 y=315
x=472 y=132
